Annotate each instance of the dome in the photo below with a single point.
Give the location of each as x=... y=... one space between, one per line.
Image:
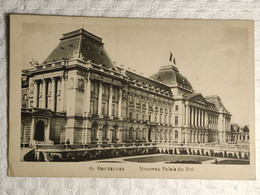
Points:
x=170 y=76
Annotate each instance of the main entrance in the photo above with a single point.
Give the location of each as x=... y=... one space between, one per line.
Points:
x=39 y=131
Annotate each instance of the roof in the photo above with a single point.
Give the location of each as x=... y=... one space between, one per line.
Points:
x=132 y=76
x=217 y=101
x=83 y=44
x=170 y=76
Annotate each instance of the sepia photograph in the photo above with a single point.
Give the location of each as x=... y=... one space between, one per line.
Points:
x=117 y=97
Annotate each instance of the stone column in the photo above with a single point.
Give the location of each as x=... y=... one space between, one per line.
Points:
x=88 y=94
x=147 y=111
x=53 y=95
x=187 y=114
x=186 y=136
x=120 y=104
x=110 y=101
x=192 y=116
x=206 y=120
x=120 y=135
x=100 y=100
x=43 y=93
x=153 y=113
x=62 y=106
x=99 y=135
x=196 y=117
x=47 y=133
x=32 y=131
x=110 y=135
x=35 y=94
x=203 y=118
x=199 y=117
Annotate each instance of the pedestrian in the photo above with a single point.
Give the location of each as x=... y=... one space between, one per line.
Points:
x=67 y=143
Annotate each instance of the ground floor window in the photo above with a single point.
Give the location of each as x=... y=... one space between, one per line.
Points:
x=176 y=134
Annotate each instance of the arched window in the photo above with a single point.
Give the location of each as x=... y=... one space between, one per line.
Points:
x=176 y=134
x=94 y=129
x=137 y=133
x=114 y=134
x=105 y=132
x=156 y=134
x=131 y=133
x=143 y=134
x=161 y=134
x=170 y=135
x=39 y=131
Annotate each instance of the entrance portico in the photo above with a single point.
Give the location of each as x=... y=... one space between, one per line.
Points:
x=40 y=127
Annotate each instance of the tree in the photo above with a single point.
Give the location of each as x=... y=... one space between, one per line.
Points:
x=245 y=128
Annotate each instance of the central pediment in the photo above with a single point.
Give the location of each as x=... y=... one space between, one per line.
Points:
x=197 y=98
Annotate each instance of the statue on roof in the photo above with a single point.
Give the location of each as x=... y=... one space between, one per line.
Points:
x=172 y=59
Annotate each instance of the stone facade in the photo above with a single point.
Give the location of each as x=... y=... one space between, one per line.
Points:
x=78 y=94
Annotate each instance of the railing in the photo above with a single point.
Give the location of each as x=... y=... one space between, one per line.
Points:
x=91 y=146
x=141 y=144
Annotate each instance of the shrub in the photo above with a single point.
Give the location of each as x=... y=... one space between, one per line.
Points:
x=211 y=153
x=207 y=154
x=175 y=151
x=246 y=156
x=198 y=152
x=225 y=154
x=41 y=157
x=230 y=155
x=31 y=156
x=220 y=154
x=216 y=154
x=170 y=151
x=202 y=152
x=235 y=155
x=240 y=154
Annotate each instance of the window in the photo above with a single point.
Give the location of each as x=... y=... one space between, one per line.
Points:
x=165 y=119
x=92 y=107
x=92 y=87
x=143 y=117
x=160 y=118
x=137 y=116
x=24 y=97
x=113 y=110
x=170 y=120
x=131 y=98
x=103 y=108
x=130 y=114
x=137 y=100
x=150 y=118
x=155 y=118
x=176 y=107
x=103 y=90
x=176 y=134
x=176 y=120
x=114 y=93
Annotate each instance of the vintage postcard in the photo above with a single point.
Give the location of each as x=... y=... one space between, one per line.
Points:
x=142 y=98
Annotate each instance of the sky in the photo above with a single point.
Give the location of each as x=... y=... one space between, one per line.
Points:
x=212 y=56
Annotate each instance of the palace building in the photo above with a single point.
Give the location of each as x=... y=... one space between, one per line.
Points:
x=79 y=94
